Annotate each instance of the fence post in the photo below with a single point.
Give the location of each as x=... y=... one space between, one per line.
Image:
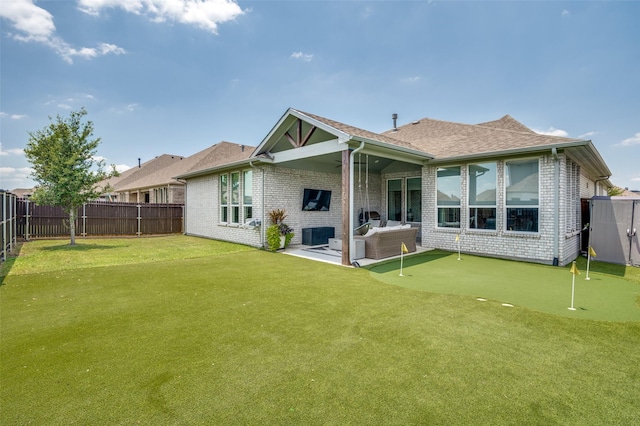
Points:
x=139 y=220
x=84 y=220
x=26 y=216
x=12 y=224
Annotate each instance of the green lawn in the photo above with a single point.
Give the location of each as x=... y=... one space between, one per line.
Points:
x=181 y=330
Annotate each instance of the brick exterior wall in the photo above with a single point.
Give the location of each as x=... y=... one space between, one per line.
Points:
x=284 y=190
x=535 y=247
x=202 y=215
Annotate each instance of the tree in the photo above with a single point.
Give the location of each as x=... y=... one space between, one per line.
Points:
x=63 y=156
x=616 y=190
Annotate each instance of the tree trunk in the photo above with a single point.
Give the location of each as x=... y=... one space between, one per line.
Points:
x=72 y=225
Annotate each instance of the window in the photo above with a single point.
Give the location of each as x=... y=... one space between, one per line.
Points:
x=394 y=199
x=448 y=197
x=224 y=198
x=247 y=194
x=235 y=197
x=482 y=196
x=522 y=195
x=414 y=199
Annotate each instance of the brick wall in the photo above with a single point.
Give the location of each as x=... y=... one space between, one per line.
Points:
x=536 y=247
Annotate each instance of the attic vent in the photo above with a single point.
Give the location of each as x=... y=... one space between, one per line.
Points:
x=416 y=122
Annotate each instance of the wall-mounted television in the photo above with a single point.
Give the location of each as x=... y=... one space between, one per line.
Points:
x=316 y=200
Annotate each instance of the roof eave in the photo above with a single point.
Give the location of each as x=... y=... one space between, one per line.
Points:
x=233 y=165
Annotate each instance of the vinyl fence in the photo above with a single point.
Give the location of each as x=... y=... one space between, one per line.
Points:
x=9 y=223
x=99 y=219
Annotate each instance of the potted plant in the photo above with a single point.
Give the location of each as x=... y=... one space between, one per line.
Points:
x=279 y=234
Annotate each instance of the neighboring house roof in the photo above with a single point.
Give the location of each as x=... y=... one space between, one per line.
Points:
x=147 y=168
x=23 y=192
x=218 y=154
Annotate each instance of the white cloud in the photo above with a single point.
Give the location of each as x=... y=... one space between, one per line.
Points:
x=13 y=116
x=13 y=174
x=552 y=131
x=633 y=140
x=410 y=80
x=586 y=135
x=122 y=168
x=302 y=56
x=35 y=24
x=565 y=12
x=204 y=14
x=11 y=151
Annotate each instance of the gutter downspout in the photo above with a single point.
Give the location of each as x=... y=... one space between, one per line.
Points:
x=351 y=241
x=595 y=184
x=556 y=204
x=262 y=209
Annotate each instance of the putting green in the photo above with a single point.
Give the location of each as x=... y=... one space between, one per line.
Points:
x=542 y=288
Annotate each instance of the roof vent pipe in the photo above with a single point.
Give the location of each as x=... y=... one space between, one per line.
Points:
x=139 y=165
x=395 y=119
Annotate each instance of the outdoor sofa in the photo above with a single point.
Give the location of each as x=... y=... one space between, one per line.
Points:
x=380 y=243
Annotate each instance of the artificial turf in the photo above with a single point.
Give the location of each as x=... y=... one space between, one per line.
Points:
x=251 y=337
x=607 y=296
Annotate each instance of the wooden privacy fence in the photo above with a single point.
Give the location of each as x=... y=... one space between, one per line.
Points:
x=99 y=219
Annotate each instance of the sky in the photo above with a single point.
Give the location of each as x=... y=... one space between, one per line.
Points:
x=177 y=76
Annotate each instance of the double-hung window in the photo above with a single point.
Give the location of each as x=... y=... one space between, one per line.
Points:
x=481 y=186
x=522 y=195
x=448 y=196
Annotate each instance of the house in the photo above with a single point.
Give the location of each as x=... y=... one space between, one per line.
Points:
x=154 y=181
x=498 y=188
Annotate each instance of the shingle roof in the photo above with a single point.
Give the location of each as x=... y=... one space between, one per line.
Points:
x=145 y=169
x=507 y=123
x=215 y=155
x=365 y=134
x=445 y=139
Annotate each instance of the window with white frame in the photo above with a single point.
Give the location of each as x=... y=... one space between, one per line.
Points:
x=247 y=194
x=448 y=196
x=522 y=197
x=235 y=197
x=224 y=198
x=482 y=183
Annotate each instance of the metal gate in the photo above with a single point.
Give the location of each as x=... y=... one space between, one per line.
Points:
x=615 y=223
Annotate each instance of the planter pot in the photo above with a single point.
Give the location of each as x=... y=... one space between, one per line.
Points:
x=282 y=241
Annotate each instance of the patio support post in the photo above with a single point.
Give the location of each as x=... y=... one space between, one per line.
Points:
x=347 y=234
x=346 y=208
